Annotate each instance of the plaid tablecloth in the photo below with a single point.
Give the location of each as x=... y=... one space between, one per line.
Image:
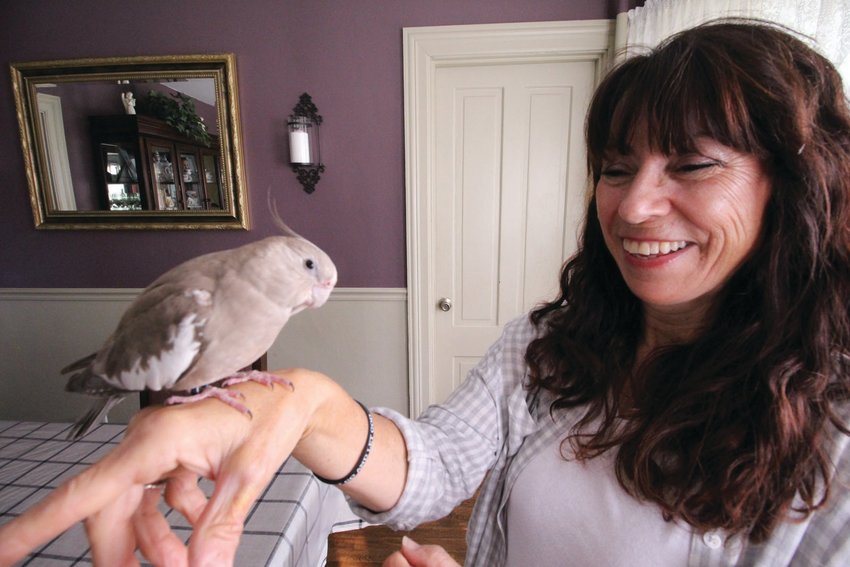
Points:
x=288 y=526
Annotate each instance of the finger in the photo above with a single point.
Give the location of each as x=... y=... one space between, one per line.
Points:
x=156 y=541
x=94 y=489
x=242 y=477
x=110 y=530
x=395 y=560
x=75 y=500
x=240 y=482
x=184 y=495
x=426 y=555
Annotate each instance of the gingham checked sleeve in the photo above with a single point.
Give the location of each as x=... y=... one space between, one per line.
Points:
x=453 y=445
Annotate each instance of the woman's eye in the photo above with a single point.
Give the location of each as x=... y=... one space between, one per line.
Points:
x=613 y=172
x=696 y=166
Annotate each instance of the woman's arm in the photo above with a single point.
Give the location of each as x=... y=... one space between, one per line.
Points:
x=334 y=440
x=317 y=422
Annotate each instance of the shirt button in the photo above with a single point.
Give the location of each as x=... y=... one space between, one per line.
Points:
x=712 y=540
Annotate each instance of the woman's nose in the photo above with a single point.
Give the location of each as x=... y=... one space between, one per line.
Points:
x=646 y=197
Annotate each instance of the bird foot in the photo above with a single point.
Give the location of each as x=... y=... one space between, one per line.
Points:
x=229 y=397
x=257 y=376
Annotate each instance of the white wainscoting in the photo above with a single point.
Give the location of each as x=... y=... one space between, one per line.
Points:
x=359 y=338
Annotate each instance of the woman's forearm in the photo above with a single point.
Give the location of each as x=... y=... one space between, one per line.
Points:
x=334 y=439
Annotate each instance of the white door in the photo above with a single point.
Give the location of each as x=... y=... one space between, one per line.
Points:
x=509 y=193
x=505 y=183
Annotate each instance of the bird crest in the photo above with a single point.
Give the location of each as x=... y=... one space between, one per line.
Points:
x=278 y=221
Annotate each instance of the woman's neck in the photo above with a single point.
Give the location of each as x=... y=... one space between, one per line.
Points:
x=664 y=326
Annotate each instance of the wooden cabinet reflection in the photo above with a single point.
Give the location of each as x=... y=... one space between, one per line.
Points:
x=142 y=163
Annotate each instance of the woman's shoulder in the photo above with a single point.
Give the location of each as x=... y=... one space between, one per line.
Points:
x=520 y=329
x=512 y=343
x=503 y=365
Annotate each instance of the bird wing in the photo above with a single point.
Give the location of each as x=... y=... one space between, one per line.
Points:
x=159 y=338
x=242 y=326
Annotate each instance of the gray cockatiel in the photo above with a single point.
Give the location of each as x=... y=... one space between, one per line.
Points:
x=203 y=321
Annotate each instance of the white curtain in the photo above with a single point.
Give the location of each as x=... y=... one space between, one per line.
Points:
x=827 y=22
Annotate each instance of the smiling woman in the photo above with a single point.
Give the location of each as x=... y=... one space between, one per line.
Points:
x=678 y=226
x=136 y=142
x=724 y=380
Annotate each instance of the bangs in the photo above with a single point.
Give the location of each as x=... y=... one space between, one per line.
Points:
x=670 y=97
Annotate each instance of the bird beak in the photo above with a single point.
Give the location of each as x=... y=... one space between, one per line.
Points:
x=321 y=293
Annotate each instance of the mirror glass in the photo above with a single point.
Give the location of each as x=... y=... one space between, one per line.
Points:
x=132 y=142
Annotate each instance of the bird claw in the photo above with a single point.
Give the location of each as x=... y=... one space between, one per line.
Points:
x=257 y=376
x=229 y=397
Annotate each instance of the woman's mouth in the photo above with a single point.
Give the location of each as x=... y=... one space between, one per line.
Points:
x=649 y=248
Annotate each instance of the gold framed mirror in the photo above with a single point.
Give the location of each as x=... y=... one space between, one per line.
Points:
x=149 y=142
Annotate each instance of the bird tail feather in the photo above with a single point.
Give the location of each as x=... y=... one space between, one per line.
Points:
x=82 y=363
x=93 y=416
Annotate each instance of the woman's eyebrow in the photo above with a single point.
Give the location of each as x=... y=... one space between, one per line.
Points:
x=617 y=150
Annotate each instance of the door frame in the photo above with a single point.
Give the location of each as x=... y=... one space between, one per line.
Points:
x=61 y=196
x=425 y=49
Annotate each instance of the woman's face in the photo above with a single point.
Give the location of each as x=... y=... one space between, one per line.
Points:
x=679 y=225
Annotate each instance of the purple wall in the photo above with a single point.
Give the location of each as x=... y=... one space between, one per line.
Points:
x=78 y=103
x=346 y=53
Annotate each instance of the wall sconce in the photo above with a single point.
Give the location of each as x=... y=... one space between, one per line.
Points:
x=304 y=155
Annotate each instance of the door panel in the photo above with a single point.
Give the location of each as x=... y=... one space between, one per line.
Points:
x=508 y=192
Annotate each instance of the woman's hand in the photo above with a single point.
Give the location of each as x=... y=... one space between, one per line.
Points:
x=414 y=555
x=177 y=444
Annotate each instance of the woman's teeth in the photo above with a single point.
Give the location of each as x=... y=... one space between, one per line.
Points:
x=652 y=248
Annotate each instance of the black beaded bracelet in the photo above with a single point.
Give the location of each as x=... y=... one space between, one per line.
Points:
x=363 y=456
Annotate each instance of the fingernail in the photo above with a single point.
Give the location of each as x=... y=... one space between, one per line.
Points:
x=409 y=544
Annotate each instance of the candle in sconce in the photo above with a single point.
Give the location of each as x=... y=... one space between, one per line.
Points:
x=299 y=147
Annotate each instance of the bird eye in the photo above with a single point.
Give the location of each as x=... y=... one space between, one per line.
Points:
x=309 y=264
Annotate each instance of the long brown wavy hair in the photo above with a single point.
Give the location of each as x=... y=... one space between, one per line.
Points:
x=724 y=430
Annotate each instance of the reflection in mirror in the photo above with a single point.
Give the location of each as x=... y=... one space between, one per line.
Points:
x=139 y=142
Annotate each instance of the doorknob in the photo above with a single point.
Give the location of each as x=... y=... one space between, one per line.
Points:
x=444 y=304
